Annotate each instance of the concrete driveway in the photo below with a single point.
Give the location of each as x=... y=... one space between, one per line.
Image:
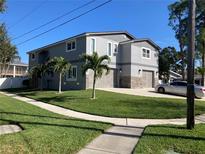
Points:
x=149 y=92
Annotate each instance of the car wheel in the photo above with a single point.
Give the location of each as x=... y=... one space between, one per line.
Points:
x=161 y=90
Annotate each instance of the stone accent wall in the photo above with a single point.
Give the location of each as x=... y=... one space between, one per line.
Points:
x=136 y=82
x=156 y=81
x=125 y=82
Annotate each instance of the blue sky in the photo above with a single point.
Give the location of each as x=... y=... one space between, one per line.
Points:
x=142 y=18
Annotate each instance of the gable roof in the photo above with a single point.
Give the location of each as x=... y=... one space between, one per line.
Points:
x=86 y=34
x=142 y=40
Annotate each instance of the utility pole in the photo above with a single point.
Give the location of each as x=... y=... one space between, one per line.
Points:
x=190 y=66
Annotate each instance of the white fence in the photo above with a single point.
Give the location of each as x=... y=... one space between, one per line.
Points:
x=17 y=82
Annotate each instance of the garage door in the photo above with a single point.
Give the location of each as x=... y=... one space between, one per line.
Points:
x=147 y=77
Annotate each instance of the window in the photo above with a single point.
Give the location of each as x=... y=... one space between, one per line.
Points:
x=32 y=56
x=184 y=84
x=173 y=84
x=72 y=74
x=109 y=49
x=115 y=48
x=146 y=53
x=93 y=45
x=71 y=45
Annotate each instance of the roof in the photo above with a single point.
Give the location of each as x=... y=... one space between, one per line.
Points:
x=85 y=34
x=142 y=40
x=19 y=64
x=174 y=74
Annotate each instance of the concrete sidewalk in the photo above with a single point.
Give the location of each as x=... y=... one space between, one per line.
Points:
x=120 y=138
x=147 y=92
x=116 y=140
x=8 y=129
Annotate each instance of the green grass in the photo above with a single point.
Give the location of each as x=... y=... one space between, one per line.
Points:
x=116 y=105
x=44 y=132
x=160 y=139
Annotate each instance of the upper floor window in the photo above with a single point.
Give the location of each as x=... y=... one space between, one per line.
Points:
x=93 y=45
x=115 y=47
x=71 y=45
x=72 y=74
x=109 y=48
x=33 y=56
x=146 y=53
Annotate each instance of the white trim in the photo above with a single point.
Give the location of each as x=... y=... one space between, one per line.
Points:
x=149 y=53
x=108 y=48
x=91 y=46
x=72 y=79
x=70 y=41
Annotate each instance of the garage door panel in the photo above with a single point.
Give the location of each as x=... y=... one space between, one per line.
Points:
x=147 y=77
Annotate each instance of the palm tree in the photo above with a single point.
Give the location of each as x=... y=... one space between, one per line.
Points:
x=201 y=71
x=201 y=48
x=40 y=70
x=97 y=64
x=61 y=66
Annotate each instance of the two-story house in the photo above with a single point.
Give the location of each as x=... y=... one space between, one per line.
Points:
x=16 y=68
x=134 y=62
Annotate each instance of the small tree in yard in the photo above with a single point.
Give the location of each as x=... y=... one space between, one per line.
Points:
x=61 y=66
x=40 y=70
x=98 y=65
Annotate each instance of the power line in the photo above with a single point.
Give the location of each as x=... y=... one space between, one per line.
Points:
x=55 y=19
x=27 y=15
x=86 y=12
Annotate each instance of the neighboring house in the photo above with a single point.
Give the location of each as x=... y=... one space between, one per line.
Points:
x=197 y=78
x=134 y=62
x=175 y=76
x=15 y=69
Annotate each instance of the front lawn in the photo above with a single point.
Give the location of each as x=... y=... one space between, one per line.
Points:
x=44 y=132
x=116 y=105
x=161 y=139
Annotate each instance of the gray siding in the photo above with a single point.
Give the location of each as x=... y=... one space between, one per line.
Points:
x=102 y=49
x=73 y=57
x=127 y=65
x=139 y=62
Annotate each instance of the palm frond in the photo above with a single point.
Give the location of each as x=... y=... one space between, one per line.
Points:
x=86 y=67
x=104 y=58
x=105 y=67
x=59 y=64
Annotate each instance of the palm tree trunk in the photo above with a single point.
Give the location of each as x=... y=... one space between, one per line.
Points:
x=41 y=81
x=59 y=86
x=203 y=64
x=3 y=69
x=94 y=81
x=183 y=68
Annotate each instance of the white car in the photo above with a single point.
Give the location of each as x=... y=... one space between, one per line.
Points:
x=179 y=88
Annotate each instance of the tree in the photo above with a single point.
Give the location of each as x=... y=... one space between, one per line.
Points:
x=39 y=70
x=2 y=5
x=61 y=66
x=98 y=64
x=167 y=61
x=178 y=13
x=190 y=73
x=7 y=50
x=201 y=71
x=201 y=49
